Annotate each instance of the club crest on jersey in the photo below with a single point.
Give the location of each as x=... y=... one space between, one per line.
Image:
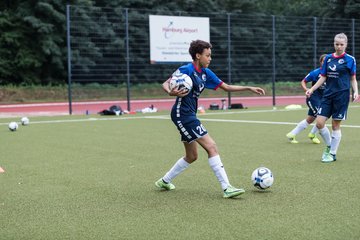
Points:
x=341 y=61
x=333 y=68
x=203 y=77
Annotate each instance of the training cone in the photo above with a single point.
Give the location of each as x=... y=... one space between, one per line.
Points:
x=2 y=170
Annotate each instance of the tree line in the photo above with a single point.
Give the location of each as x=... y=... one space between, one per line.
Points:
x=33 y=48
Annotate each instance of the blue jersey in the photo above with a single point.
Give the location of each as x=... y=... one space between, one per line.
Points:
x=338 y=71
x=313 y=77
x=186 y=107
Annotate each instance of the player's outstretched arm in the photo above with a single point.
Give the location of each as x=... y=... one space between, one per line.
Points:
x=257 y=90
x=236 y=88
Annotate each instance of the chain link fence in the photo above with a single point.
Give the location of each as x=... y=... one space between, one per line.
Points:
x=112 y=46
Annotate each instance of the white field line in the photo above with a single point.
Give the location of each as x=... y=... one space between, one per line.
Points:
x=268 y=122
x=139 y=117
x=133 y=101
x=81 y=120
x=252 y=121
x=167 y=117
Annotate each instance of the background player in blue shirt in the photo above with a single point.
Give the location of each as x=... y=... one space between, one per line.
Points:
x=339 y=72
x=313 y=102
x=183 y=114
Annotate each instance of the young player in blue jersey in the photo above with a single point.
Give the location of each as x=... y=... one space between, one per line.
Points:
x=313 y=102
x=192 y=132
x=339 y=72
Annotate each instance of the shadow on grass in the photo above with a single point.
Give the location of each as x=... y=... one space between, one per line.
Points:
x=196 y=195
x=258 y=191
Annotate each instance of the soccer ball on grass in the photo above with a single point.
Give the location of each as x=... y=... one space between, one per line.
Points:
x=262 y=178
x=25 y=121
x=13 y=126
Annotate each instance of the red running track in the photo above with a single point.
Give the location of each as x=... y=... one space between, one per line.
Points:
x=93 y=107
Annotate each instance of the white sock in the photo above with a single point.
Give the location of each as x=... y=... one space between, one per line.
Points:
x=325 y=134
x=335 y=141
x=300 y=127
x=314 y=129
x=178 y=167
x=218 y=168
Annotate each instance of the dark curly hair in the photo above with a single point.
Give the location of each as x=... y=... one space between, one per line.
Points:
x=198 y=46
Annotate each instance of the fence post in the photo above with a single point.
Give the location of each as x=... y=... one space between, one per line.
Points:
x=69 y=56
x=229 y=56
x=127 y=58
x=273 y=60
x=353 y=36
x=315 y=42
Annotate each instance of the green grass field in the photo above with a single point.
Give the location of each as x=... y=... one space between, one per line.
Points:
x=77 y=177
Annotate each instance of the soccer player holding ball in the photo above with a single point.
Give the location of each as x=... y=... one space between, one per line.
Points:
x=183 y=115
x=339 y=73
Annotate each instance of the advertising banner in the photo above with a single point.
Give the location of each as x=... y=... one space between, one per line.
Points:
x=170 y=37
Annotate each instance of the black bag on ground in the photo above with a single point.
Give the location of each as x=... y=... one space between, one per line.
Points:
x=237 y=106
x=113 y=110
x=214 y=106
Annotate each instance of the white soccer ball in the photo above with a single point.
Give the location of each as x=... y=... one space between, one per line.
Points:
x=13 y=126
x=25 y=121
x=181 y=81
x=262 y=178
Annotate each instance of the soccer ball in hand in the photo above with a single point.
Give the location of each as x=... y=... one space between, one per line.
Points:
x=25 y=121
x=262 y=178
x=13 y=126
x=181 y=81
